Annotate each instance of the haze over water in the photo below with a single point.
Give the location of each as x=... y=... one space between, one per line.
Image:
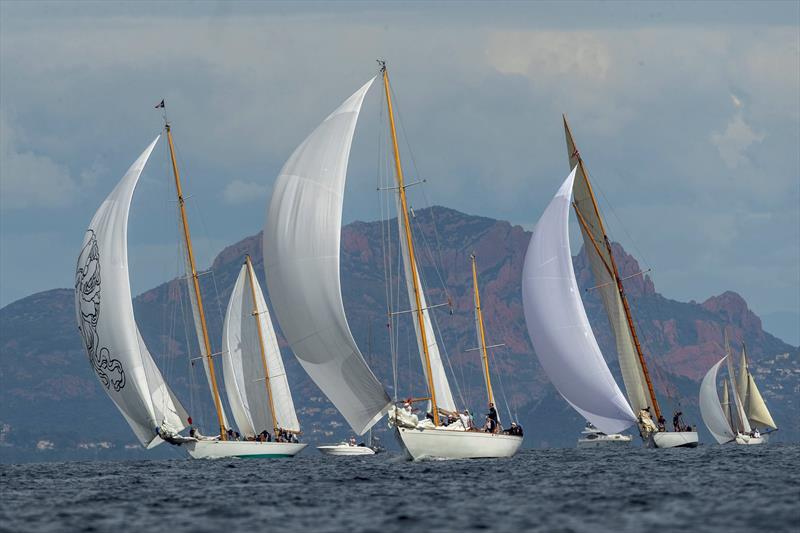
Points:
x=712 y=488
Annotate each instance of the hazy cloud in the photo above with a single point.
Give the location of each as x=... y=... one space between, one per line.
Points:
x=242 y=192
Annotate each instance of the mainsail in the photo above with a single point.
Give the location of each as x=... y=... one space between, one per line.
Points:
x=558 y=325
x=444 y=396
x=738 y=417
x=301 y=249
x=598 y=251
x=712 y=410
x=104 y=310
x=251 y=398
x=726 y=402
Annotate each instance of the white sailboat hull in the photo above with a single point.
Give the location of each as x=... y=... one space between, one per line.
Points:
x=602 y=441
x=221 y=449
x=345 y=449
x=748 y=440
x=432 y=443
x=673 y=439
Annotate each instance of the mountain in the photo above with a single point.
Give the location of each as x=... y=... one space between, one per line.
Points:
x=52 y=407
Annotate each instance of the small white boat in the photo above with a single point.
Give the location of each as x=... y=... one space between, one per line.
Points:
x=219 y=449
x=345 y=448
x=594 y=438
x=729 y=420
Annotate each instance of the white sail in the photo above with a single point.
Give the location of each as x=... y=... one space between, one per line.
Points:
x=558 y=326
x=712 y=410
x=738 y=417
x=104 y=310
x=726 y=402
x=444 y=396
x=741 y=377
x=757 y=411
x=301 y=260
x=594 y=242
x=243 y=367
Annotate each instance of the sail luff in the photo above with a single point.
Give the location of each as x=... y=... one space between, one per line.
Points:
x=409 y=246
x=638 y=384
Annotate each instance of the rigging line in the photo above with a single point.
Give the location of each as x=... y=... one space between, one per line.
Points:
x=426 y=246
x=502 y=385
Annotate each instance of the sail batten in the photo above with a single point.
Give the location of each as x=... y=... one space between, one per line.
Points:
x=302 y=238
x=104 y=309
x=558 y=325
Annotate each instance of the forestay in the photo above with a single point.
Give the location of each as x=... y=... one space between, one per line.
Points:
x=444 y=396
x=301 y=250
x=243 y=366
x=711 y=409
x=558 y=325
x=104 y=310
x=596 y=249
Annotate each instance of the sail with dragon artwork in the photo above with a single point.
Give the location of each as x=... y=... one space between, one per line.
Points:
x=117 y=351
x=302 y=263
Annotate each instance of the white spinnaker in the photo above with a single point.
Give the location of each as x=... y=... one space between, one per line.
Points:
x=711 y=409
x=104 y=310
x=301 y=259
x=558 y=326
x=757 y=410
x=244 y=368
x=444 y=396
x=593 y=234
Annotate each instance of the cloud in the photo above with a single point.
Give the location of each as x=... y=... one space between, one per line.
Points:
x=28 y=179
x=735 y=140
x=239 y=192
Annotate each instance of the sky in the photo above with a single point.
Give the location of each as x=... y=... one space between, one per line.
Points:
x=687 y=116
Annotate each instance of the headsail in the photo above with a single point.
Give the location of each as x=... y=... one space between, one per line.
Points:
x=712 y=410
x=598 y=252
x=243 y=367
x=741 y=377
x=444 y=396
x=301 y=260
x=558 y=325
x=757 y=410
x=104 y=310
x=738 y=416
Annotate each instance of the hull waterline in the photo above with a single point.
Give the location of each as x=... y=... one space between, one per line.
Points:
x=673 y=439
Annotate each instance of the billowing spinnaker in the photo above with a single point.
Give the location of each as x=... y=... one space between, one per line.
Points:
x=757 y=410
x=711 y=409
x=444 y=396
x=599 y=257
x=104 y=310
x=558 y=326
x=243 y=366
x=301 y=259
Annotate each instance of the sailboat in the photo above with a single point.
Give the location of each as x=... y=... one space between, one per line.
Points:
x=301 y=246
x=116 y=349
x=728 y=420
x=756 y=410
x=560 y=330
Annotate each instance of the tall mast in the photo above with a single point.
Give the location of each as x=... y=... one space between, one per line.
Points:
x=256 y=316
x=196 y=285
x=613 y=271
x=410 y=243
x=481 y=331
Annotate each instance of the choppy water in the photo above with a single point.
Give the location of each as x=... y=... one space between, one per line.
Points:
x=711 y=488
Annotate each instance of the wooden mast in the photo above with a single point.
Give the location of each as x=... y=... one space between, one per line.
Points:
x=196 y=286
x=615 y=272
x=481 y=331
x=256 y=313
x=410 y=244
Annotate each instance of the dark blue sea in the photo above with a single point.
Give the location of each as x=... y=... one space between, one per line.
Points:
x=711 y=488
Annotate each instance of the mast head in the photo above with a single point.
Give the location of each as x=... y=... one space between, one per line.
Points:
x=382 y=65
